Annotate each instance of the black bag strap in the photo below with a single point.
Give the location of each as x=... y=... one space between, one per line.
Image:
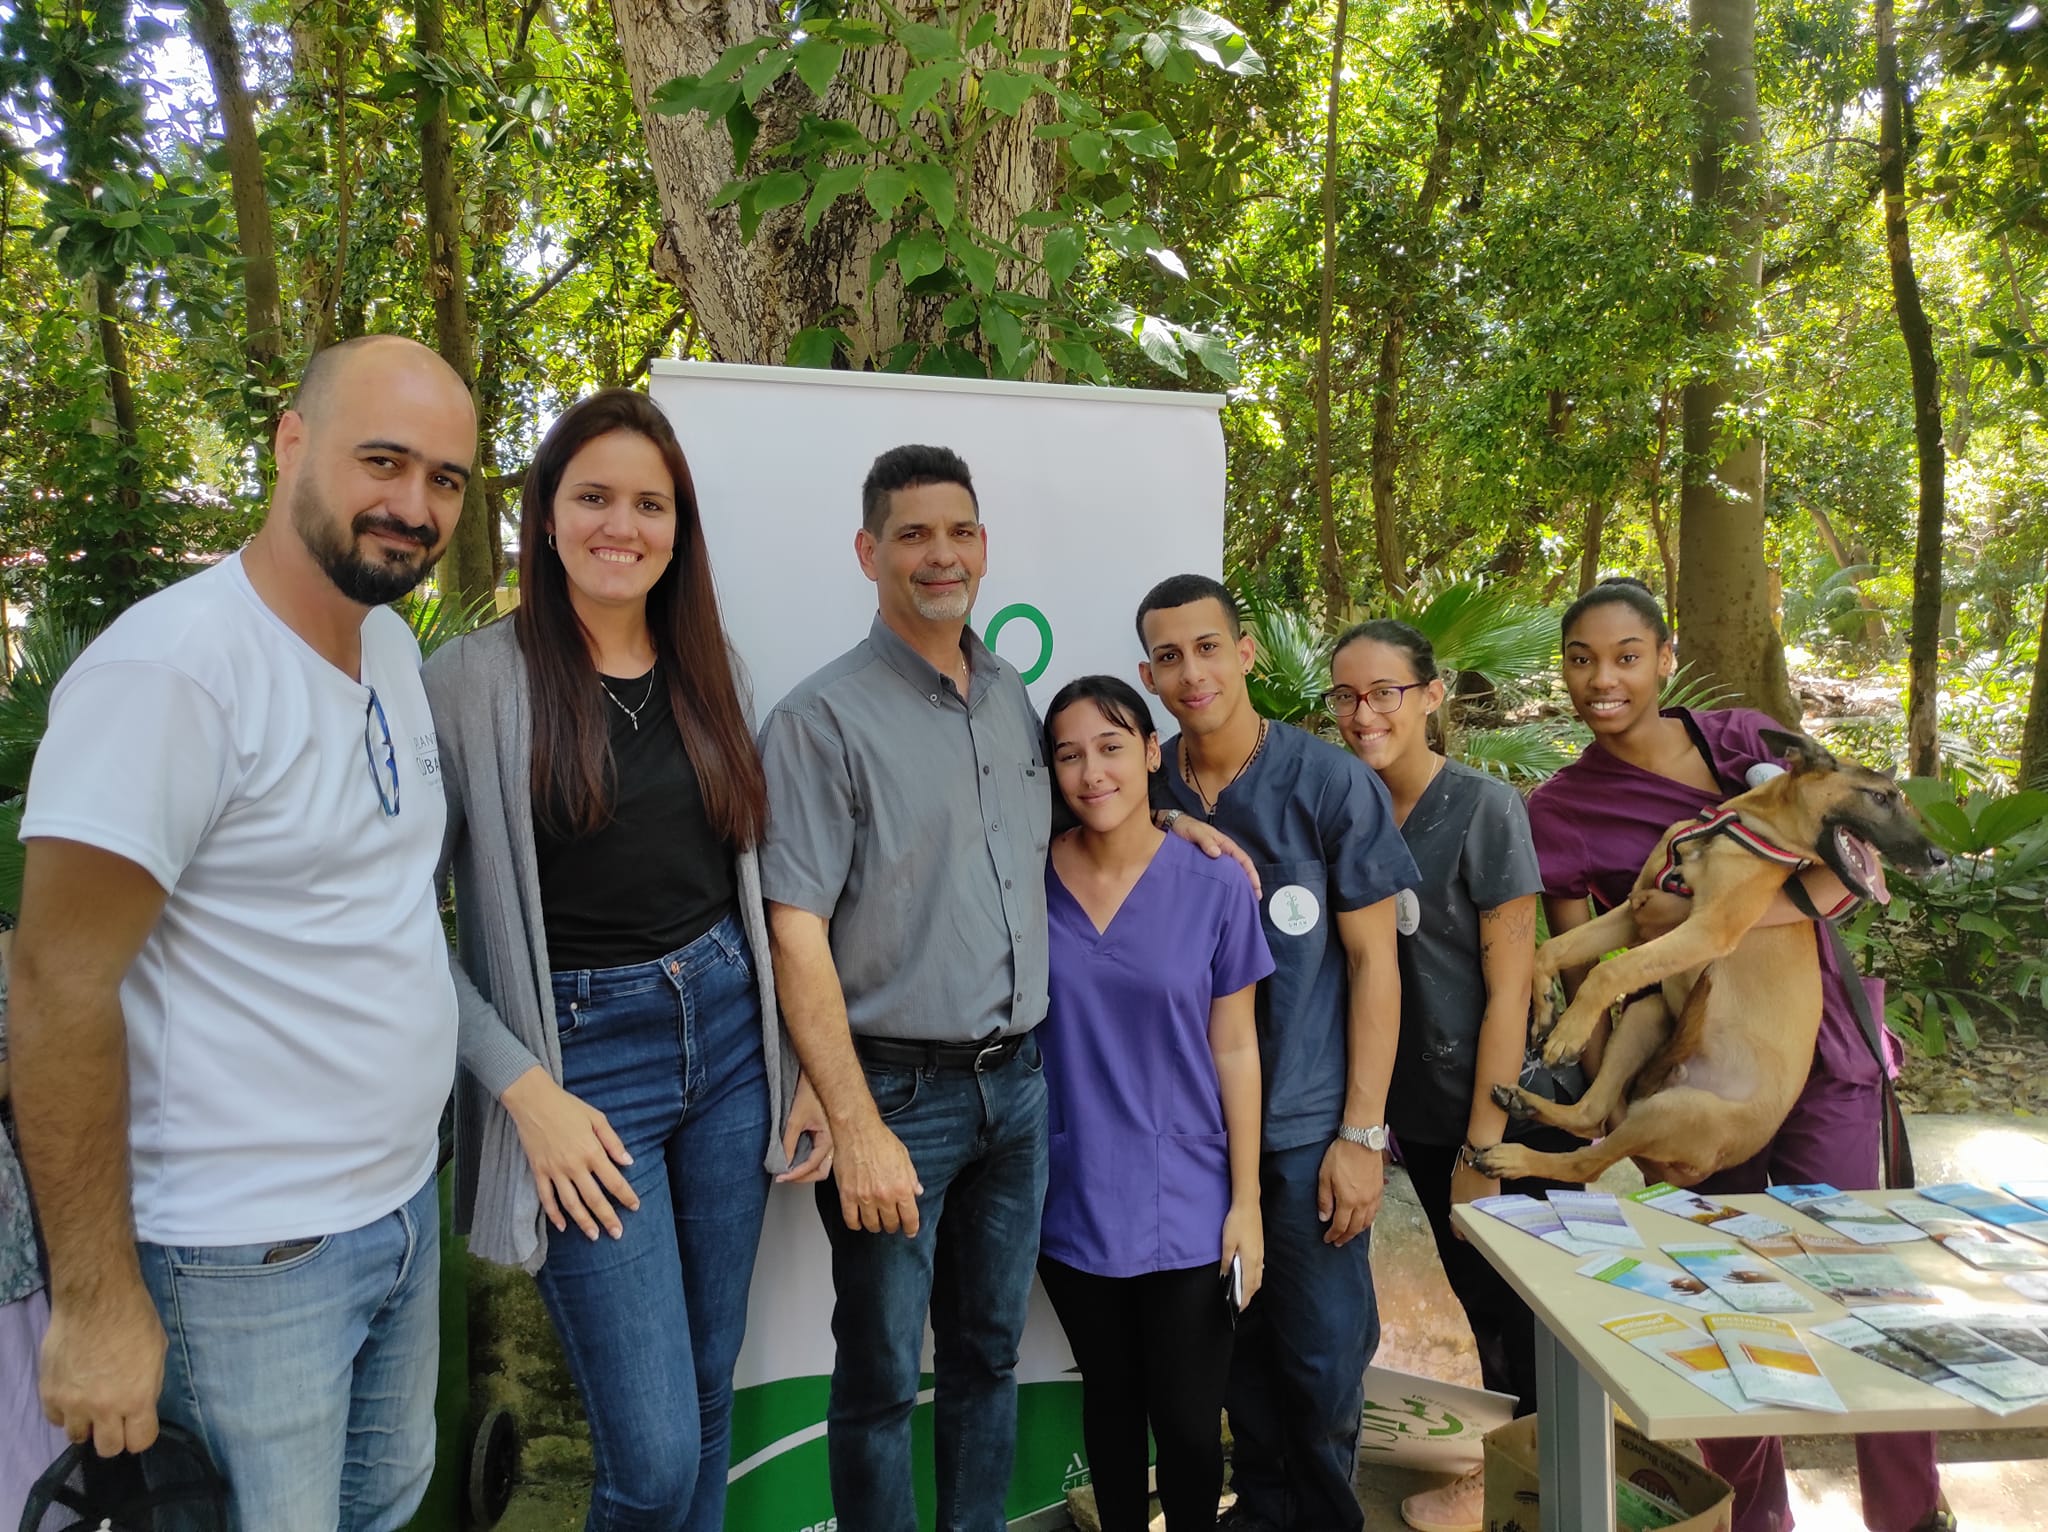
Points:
x=1893 y=1145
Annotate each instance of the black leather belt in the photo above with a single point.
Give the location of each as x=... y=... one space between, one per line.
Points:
x=898 y=1053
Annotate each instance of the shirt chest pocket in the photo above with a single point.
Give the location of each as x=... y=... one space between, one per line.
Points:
x=1027 y=797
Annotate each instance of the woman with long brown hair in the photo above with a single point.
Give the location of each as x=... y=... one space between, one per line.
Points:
x=625 y=1072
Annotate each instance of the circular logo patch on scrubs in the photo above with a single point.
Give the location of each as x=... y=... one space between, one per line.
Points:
x=1407 y=912
x=1294 y=909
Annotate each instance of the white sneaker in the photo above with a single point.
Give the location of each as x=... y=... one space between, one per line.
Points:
x=1458 y=1506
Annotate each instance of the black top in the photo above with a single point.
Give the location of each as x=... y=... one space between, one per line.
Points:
x=657 y=876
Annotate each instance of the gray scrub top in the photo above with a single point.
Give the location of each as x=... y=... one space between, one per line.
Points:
x=1317 y=823
x=1469 y=834
x=916 y=822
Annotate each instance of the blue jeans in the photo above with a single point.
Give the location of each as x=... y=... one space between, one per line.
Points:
x=309 y=1379
x=977 y=1140
x=1297 y=1375
x=670 y=1052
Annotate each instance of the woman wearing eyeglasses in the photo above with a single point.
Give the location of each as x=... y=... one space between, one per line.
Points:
x=1467 y=951
x=625 y=1072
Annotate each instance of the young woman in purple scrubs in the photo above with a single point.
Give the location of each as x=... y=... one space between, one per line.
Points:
x=1152 y=1082
x=1595 y=823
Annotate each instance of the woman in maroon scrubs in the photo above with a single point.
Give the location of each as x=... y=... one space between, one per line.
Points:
x=1595 y=824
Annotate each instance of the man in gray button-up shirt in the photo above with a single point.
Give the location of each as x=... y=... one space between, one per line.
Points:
x=904 y=867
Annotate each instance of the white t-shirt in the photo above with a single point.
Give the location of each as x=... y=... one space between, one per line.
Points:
x=291 y=1021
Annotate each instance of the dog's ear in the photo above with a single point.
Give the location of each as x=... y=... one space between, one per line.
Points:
x=1804 y=753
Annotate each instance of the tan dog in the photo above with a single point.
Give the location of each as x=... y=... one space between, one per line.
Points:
x=1710 y=1092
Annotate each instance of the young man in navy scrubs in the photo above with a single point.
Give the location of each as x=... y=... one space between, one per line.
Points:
x=1317 y=825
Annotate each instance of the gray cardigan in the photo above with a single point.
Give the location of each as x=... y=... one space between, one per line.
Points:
x=477 y=686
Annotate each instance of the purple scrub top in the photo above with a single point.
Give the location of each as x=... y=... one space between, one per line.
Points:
x=1597 y=821
x=1138 y=1178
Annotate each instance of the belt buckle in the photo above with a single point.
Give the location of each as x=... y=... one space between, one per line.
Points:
x=984 y=1060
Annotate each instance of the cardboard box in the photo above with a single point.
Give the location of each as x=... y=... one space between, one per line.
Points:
x=1657 y=1488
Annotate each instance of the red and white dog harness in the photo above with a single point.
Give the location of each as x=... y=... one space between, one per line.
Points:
x=1725 y=821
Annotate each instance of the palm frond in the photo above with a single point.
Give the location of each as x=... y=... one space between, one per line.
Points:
x=436 y=619
x=1696 y=693
x=1291 y=667
x=11 y=856
x=47 y=649
x=1526 y=753
x=1487 y=629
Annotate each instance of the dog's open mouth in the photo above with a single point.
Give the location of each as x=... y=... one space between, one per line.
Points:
x=1857 y=861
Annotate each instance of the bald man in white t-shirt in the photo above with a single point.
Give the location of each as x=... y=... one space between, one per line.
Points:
x=233 y=1021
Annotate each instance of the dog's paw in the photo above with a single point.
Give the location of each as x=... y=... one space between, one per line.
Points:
x=1513 y=1100
x=1503 y=1162
x=1542 y=1009
x=1564 y=1045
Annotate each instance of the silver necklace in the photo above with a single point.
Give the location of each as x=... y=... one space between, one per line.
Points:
x=632 y=713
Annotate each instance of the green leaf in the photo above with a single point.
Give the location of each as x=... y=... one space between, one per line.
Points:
x=886 y=188
x=927 y=42
x=921 y=84
x=738 y=57
x=817 y=61
x=744 y=127
x=1152 y=49
x=920 y=254
x=976 y=260
x=830 y=187
x=1090 y=150
x=961 y=313
x=856 y=31
x=728 y=194
x=1062 y=252
x=1004 y=332
x=1169 y=261
x=762 y=73
x=935 y=186
x=1143 y=134
x=1158 y=339
x=783 y=189
x=1079 y=357
x=1006 y=91
x=814 y=347
x=2003 y=818
x=983 y=32
x=1214 y=353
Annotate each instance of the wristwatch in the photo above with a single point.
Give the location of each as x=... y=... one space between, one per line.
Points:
x=1365 y=1138
x=1168 y=818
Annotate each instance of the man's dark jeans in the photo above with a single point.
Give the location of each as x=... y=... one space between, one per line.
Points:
x=977 y=1140
x=1297 y=1375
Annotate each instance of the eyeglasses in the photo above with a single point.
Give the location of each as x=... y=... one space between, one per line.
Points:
x=1342 y=701
x=376 y=730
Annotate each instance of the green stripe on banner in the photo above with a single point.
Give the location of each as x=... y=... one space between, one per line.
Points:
x=779 y=1481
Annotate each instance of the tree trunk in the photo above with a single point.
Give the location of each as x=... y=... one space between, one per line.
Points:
x=749 y=299
x=131 y=551
x=2034 y=742
x=1873 y=620
x=1589 y=551
x=466 y=571
x=1330 y=566
x=1659 y=529
x=1469 y=29
x=263 y=332
x=1723 y=588
x=1923 y=646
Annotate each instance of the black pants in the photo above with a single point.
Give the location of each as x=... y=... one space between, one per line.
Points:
x=1502 y=1326
x=1155 y=1349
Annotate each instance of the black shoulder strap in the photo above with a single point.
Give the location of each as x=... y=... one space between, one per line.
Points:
x=1893 y=1146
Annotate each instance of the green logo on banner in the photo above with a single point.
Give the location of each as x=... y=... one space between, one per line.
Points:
x=1036 y=618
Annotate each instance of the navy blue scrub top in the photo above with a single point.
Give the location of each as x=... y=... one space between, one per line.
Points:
x=1317 y=823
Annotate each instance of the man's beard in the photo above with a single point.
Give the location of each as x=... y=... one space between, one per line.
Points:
x=943 y=608
x=372 y=581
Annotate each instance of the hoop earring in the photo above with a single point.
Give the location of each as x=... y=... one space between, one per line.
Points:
x=551 y=539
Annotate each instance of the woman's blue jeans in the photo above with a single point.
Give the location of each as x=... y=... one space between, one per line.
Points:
x=670 y=1052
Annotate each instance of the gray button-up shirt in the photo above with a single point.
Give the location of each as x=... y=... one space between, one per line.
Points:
x=916 y=822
